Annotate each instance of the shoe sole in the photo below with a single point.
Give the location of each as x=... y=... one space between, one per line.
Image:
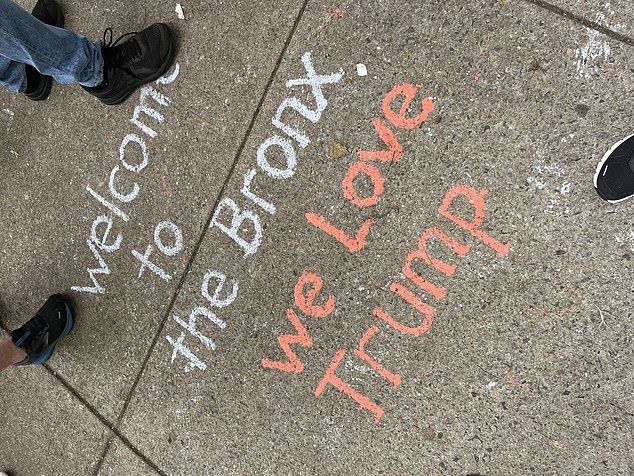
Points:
x=43 y=91
x=125 y=94
x=70 y=323
x=600 y=166
x=45 y=87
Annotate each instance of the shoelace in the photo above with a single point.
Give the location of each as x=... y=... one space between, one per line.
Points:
x=125 y=52
x=38 y=328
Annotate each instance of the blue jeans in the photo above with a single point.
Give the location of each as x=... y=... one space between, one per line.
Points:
x=62 y=54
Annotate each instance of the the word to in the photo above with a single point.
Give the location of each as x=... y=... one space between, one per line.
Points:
x=134 y=157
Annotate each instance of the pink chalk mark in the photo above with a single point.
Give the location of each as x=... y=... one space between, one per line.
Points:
x=421 y=253
x=353 y=243
x=394 y=379
x=166 y=186
x=332 y=12
x=411 y=298
x=302 y=338
x=330 y=378
x=476 y=199
x=305 y=299
x=514 y=382
x=478 y=70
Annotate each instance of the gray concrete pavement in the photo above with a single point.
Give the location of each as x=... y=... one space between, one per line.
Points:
x=616 y=17
x=512 y=354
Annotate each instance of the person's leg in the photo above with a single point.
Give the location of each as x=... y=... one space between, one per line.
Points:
x=37 y=338
x=64 y=55
x=10 y=354
x=38 y=86
x=12 y=75
x=109 y=71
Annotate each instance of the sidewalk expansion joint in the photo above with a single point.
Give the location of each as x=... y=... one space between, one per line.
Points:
x=104 y=421
x=583 y=21
x=196 y=249
x=132 y=448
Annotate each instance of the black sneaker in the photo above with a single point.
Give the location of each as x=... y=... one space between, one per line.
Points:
x=614 y=179
x=146 y=56
x=39 y=335
x=38 y=86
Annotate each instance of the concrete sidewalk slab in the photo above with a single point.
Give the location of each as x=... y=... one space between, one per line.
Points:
x=55 y=182
x=45 y=429
x=121 y=460
x=593 y=53
x=526 y=367
x=615 y=15
x=528 y=354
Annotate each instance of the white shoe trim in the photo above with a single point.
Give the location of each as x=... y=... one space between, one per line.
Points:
x=600 y=166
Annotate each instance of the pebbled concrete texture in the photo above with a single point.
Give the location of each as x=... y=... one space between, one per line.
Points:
x=490 y=389
x=188 y=156
x=616 y=16
x=526 y=368
x=120 y=459
x=46 y=430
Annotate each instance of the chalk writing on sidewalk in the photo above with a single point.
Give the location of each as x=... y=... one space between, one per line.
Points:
x=423 y=312
x=365 y=164
x=241 y=218
x=133 y=148
x=305 y=301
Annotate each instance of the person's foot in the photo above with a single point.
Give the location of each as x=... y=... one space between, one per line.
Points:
x=614 y=178
x=39 y=336
x=38 y=86
x=144 y=57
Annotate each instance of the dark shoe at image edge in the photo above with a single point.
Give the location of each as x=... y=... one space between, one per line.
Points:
x=38 y=86
x=39 y=335
x=614 y=176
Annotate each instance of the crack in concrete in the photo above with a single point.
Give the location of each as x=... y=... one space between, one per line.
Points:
x=615 y=35
x=197 y=246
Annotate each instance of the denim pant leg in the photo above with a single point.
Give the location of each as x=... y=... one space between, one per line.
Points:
x=12 y=75
x=56 y=52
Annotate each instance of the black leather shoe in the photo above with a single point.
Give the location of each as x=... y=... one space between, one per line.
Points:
x=143 y=58
x=38 y=86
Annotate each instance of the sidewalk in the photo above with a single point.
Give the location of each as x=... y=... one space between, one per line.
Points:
x=314 y=278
